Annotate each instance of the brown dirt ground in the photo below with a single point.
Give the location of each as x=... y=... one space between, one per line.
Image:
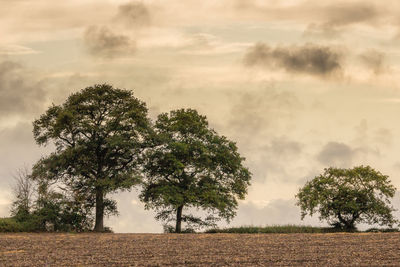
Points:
x=372 y=249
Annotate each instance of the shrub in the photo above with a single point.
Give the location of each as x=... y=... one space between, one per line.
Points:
x=169 y=229
x=10 y=225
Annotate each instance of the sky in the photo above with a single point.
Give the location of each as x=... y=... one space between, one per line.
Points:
x=298 y=85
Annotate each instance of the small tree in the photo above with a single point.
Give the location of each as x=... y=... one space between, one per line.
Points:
x=36 y=203
x=23 y=191
x=345 y=197
x=191 y=166
x=99 y=135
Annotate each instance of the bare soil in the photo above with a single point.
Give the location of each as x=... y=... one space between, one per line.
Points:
x=338 y=249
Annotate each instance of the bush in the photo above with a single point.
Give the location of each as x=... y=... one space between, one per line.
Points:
x=169 y=229
x=10 y=225
x=108 y=230
x=53 y=211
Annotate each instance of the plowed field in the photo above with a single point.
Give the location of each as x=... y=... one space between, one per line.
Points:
x=374 y=249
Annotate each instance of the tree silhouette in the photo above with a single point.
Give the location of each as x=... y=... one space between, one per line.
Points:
x=99 y=134
x=345 y=197
x=191 y=166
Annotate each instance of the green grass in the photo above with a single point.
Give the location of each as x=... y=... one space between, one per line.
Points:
x=288 y=229
x=274 y=229
x=382 y=230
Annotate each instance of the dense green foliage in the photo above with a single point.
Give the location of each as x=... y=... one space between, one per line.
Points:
x=38 y=207
x=190 y=166
x=345 y=197
x=23 y=190
x=11 y=225
x=64 y=211
x=99 y=135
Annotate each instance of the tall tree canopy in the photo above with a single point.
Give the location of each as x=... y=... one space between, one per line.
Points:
x=345 y=197
x=191 y=166
x=99 y=134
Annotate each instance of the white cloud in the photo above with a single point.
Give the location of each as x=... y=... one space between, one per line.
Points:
x=13 y=49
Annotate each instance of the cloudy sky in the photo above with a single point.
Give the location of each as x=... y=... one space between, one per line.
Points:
x=299 y=85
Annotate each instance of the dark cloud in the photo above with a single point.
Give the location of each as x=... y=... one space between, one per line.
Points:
x=103 y=42
x=20 y=93
x=373 y=60
x=336 y=155
x=310 y=59
x=116 y=39
x=340 y=15
x=134 y=14
x=328 y=18
x=256 y=111
x=284 y=148
x=350 y=13
x=322 y=18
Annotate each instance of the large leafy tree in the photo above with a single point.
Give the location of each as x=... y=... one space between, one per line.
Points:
x=191 y=166
x=99 y=134
x=344 y=197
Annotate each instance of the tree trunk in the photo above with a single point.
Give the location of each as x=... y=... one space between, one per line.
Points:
x=99 y=225
x=348 y=225
x=178 y=227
